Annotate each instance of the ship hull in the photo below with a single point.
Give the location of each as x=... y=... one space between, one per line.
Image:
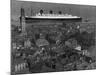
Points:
x=29 y=18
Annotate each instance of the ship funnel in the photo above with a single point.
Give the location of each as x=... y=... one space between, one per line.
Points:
x=50 y=12
x=41 y=11
x=60 y=12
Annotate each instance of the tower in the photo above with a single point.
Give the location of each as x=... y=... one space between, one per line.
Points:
x=22 y=21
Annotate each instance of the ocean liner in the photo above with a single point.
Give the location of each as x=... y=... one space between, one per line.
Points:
x=53 y=17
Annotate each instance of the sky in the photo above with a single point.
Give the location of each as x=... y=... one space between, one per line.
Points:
x=85 y=11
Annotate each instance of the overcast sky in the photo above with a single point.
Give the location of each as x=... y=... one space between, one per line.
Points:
x=85 y=11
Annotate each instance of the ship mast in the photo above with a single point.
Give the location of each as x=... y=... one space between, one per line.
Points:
x=70 y=10
x=31 y=12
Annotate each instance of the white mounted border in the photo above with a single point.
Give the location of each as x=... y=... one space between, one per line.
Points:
x=80 y=2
